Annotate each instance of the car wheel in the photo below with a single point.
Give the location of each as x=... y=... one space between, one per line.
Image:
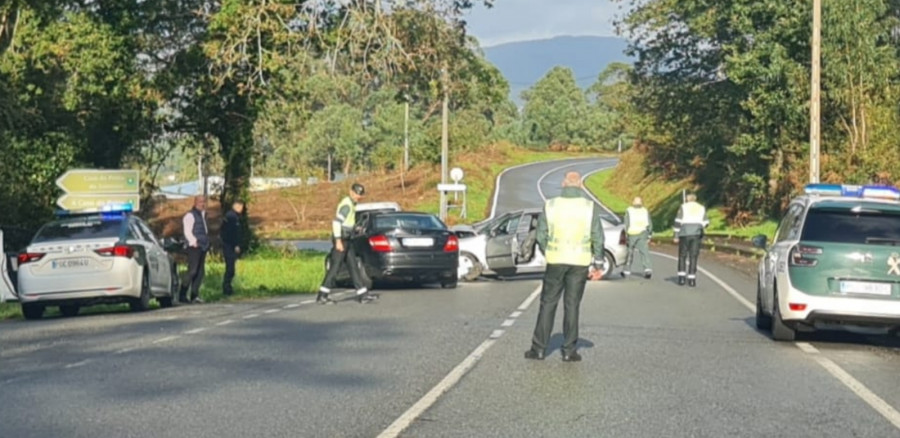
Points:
x=32 y=311
x=780 y=330
x=169 y=301
x=142 y=303
x=469 y=267
x=609 y=263
x=763 y=321
x=69 y=310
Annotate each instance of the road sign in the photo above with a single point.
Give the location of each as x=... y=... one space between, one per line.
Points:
x=97 y=181
x=76 y=202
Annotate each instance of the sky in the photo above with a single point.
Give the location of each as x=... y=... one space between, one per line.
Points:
x=521 y=20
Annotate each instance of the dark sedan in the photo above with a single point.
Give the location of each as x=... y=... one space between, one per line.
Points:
x=404 y=246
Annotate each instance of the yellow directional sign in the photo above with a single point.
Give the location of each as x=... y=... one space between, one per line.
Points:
x=76 y=202
x=96 y=181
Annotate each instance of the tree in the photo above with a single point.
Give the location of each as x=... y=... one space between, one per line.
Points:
x=554 y=109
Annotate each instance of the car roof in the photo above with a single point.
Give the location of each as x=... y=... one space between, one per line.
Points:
x=385 y=205
x=849 y=202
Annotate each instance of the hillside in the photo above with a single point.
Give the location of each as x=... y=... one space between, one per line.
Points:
x=524 y=62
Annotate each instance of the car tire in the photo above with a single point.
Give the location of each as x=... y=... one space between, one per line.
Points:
x=780 y=330
x=32 y=311
x=169 y=301
x=475 y=269
x=609 y=263
x=763 y=321
x=69 y=310
x=143 y=302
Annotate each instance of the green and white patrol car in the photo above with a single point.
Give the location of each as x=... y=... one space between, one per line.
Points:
x=834 y=263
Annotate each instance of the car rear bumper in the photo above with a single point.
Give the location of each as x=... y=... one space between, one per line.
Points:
x=840 y=310
x=83 y=287
x=414 y=265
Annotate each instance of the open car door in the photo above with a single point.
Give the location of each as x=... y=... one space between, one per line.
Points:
x=7 y=289
x=503 y=245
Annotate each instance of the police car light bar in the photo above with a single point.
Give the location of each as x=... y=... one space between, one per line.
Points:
x=867 y=191
x=107 y=211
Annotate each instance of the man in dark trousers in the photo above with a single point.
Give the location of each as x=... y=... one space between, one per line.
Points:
x=570 y=234
x=231 y=244
x=196 y=234
x=343 y=253
x=689 y=225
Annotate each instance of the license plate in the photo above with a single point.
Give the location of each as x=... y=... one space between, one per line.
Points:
x=418 y=242
x=70 y=263
x=865 y=287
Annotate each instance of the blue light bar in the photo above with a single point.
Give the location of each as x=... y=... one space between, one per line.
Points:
x=856 y=191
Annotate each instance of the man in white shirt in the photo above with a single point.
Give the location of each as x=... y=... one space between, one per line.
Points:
x=196 y=233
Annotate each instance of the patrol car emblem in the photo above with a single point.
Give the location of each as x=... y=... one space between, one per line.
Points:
x=894 y=263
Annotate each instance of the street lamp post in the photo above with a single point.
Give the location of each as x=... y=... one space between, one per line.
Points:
x=814 y=108
x=444 y=141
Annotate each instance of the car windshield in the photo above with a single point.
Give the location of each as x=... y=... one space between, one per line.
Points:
x=408 y=222
x=855 y=225
x=77 y=229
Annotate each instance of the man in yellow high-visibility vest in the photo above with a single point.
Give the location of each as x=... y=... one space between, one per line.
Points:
x=638 y=229
x=343 y=252
x=689 y=225
x=570 y=234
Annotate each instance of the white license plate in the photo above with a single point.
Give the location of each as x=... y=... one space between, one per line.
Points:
x=418 y=242
x=70 y=263
x=865 y=287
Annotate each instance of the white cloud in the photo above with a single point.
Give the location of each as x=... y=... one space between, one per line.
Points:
x=520 y=20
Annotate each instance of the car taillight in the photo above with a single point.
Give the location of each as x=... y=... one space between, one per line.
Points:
x=452 y=244
x=380 y=244
x=28 y=257
x=623 y=239
x=116 y=251
x=800 y=255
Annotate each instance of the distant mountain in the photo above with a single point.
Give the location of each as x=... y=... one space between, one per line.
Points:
x=525 y=62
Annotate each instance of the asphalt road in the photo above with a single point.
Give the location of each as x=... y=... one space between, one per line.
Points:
x=659 y=360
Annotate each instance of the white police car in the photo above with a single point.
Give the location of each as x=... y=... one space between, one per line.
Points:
x=94 y=258
x=834 y=263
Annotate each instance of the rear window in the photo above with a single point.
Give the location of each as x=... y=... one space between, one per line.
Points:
x=408 y=222
x=860 y=225
x=92 y=228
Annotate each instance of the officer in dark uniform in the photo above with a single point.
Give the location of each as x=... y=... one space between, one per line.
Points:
x=689 y=225
x=343 y=253
x=231 y=244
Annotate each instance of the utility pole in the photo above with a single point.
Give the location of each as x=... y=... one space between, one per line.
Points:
x=814 y=109
x=406 y=135
x=445 y=114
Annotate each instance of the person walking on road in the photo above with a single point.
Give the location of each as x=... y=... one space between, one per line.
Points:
x=638 y=228
x=570 y=234
x=343 y=253
x=689 y=225
x=231 y=244
x=196 y=233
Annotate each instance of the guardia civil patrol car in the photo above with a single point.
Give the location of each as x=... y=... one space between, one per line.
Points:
x=834 y=263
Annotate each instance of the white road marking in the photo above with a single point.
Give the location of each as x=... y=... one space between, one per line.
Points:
x=226 y=322
x=448 y=382
x=78 y=364
x=547 y=173
x=307 y=302
x=270 y=311
x=508 y=323
x=515 y=314
x=291 y=306
x=195 y=331
x=864 y=393
x=166 y=339
x=532 y=297
x=251 y=316
x=125 y=350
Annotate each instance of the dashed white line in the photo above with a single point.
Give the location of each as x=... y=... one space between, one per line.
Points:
x=251 y=316
x=864 y=393
x=125 y=350
x=226 y=322
x=270 y=311
x=308 y=302
x=77 y=364
x=195 y=331
x=402 y=422
x=515 y=314
x=508 y=323
x=166 y=339
x=292 y=306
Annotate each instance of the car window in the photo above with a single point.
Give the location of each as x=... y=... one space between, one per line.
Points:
x=858 y=226
x=145 y=230
x=789 y=223
x=508 y=225
x=77 y=229
x=409 y=222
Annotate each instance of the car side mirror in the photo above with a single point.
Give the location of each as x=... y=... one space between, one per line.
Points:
x=172 y=244
x=759 y=241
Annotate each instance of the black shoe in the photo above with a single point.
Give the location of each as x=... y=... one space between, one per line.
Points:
x=572 y=357
x=624 y=274
x=534 y=355
x=183 y=300
x=647 y=274
x=692 y=282
x=680 y=280
x=197 y=300
x=322 y=298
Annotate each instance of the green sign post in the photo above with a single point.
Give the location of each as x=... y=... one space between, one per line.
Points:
x=92 y=189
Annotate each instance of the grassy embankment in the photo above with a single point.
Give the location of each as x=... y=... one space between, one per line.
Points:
x=617 y=187
x=270 y=271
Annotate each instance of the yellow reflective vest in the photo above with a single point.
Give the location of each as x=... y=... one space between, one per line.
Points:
x=569 y=231
x=344 y=218
x=638 y=220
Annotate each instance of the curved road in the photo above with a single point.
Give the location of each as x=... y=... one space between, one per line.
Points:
x=659 y=360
